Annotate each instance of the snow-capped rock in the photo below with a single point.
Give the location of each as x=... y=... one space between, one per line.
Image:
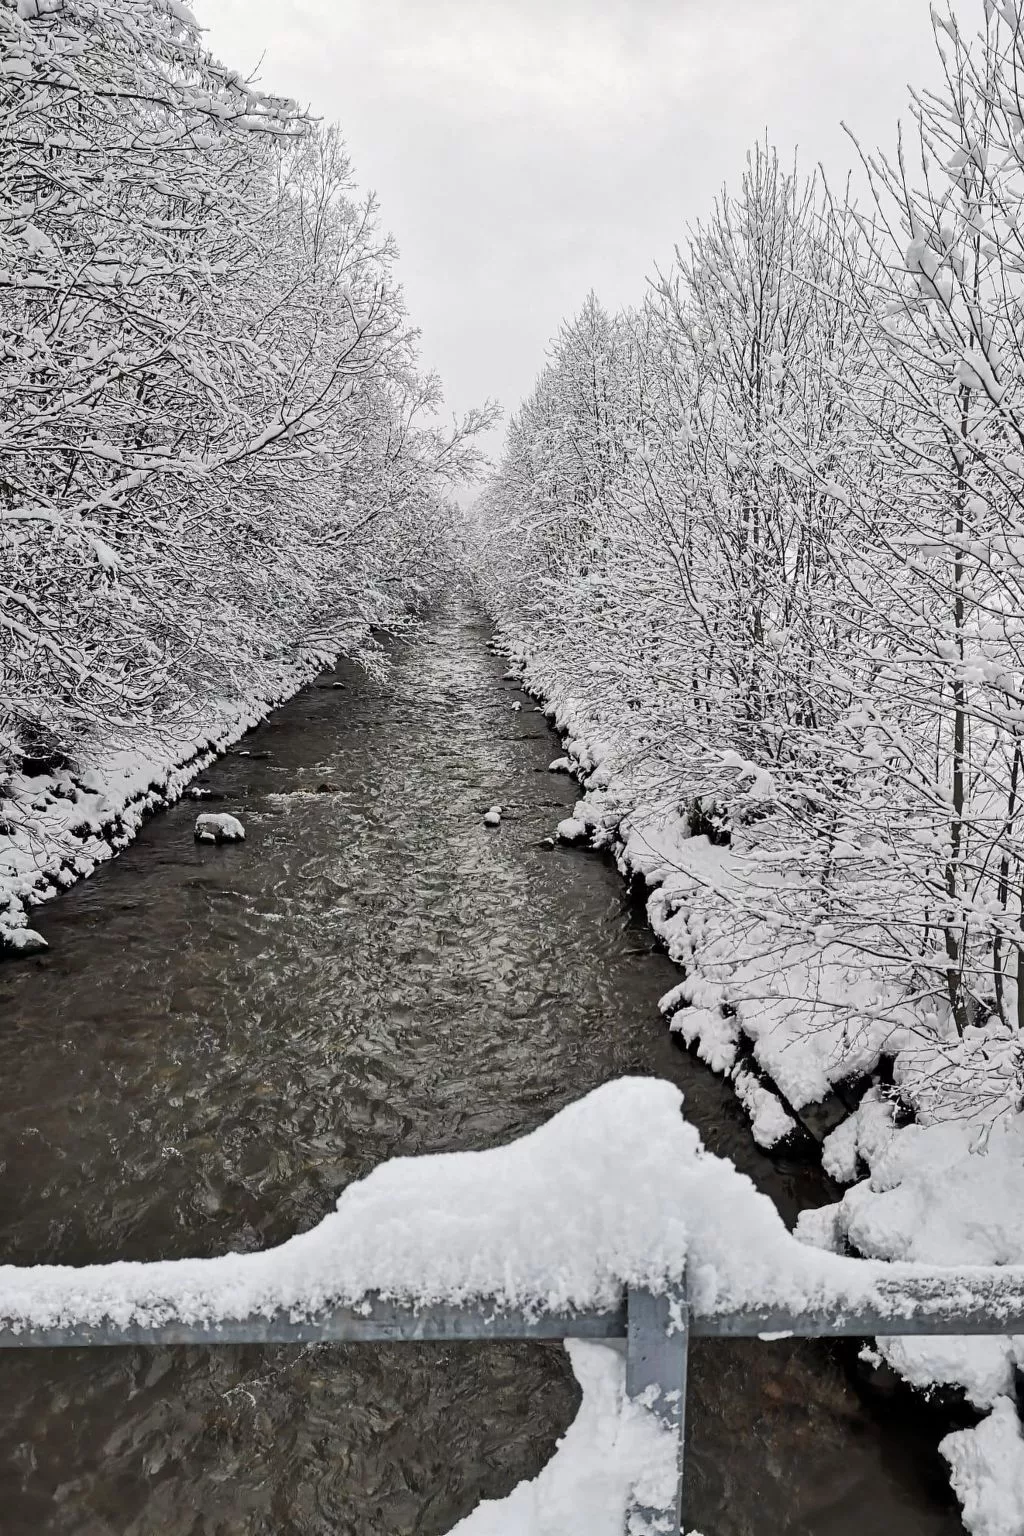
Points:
x=572 y=831
x=22 y=941
x=219 y=829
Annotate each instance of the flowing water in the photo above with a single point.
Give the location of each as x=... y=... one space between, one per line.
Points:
x=220 y=1039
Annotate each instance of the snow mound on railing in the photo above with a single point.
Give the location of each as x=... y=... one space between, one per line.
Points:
x=614 y=1190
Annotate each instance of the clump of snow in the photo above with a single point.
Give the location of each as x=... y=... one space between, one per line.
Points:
x=560 y=765
x=839 y=1151
x=982 y=1367
x=492 y=818
x=572 y=831
x=516 y=709
x=946 y=1193
x=615 y=1454
x=219 y=828
x=24 y=941
x=861 y=1138
x=770 y=1122
x=819 y=1228
x=716 y=1037
x=987 y=1472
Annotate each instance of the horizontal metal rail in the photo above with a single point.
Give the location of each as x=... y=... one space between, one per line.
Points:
x=656 y=1330
x=375 y=1321
x=930 y=1302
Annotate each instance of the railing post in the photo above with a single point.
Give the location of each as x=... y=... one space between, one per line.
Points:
x=657 y=1345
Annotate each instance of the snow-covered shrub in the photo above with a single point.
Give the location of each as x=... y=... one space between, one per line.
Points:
x=706 y=818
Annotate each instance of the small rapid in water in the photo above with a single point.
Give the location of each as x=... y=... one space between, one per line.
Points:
x=221 y=1039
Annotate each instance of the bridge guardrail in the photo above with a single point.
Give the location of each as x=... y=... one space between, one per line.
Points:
x=654 y=1327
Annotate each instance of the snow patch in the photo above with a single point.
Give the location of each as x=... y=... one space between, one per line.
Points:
x=769 y=1121
x=987 y=1472
x=614 y=1454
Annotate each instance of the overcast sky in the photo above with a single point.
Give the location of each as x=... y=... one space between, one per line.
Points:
x=525 y=151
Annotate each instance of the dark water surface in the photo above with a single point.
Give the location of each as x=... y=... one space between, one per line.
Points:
x=219 y=1040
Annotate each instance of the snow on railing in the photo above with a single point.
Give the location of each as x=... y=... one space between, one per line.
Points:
x=610 y=1223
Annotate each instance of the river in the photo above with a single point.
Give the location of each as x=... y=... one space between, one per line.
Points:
x=220 y=1039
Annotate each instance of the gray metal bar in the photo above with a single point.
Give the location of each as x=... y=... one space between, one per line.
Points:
x=375 y=1321
x=989 y=1302
x=860 y=1325
x=657 y=1347
x=905 y=1307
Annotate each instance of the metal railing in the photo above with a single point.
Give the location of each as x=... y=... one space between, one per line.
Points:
x=655 y=1328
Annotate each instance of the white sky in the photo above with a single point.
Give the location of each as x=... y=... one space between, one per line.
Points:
x=525 y=151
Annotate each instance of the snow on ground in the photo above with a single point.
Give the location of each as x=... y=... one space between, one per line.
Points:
x=987 y=1472
x=812 y=1013
x=56 y=829
x=950 y=1192
x=808 y=1007
x=614 y=1454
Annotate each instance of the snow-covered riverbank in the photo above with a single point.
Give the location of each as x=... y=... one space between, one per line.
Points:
x=56 y=827
x=933 y=1150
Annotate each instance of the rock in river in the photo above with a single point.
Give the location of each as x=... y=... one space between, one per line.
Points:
x=219 y=829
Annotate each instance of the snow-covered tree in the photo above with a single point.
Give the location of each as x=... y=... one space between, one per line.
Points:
x=216 y=444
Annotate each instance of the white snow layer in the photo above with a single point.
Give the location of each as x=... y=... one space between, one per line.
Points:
x=987 y=1472
x=614 y=1454
x=560 y=1219
x=615 y=1190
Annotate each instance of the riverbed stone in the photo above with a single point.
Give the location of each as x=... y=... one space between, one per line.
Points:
x=219 y=829
x=22 y=941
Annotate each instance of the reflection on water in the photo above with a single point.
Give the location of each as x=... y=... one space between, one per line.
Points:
x=220 y=1039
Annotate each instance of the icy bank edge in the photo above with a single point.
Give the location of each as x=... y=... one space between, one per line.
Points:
x=98 y=811
x=649 y=840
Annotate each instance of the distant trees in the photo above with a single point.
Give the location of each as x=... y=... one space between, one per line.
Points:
x=780 y=558
x=215 y=444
